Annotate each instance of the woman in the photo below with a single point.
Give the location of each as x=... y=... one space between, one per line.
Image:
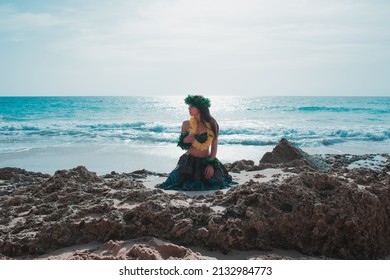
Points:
x=198 y=169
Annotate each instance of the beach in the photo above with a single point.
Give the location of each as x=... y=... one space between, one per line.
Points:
x=287 y=205
x=287 y=101
x=78 y=177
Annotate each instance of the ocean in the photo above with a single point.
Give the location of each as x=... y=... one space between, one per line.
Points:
x=124 y=134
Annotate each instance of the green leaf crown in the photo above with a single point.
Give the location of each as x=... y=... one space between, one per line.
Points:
x=197 y=101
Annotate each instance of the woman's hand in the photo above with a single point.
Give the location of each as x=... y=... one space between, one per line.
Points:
x=209 y=172
x=189 y=139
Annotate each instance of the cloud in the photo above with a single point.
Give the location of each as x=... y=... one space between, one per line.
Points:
x=12 y=20
x=238 y=43
x=186 y=31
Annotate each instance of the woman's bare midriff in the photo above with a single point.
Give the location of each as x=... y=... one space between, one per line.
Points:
x=198 y=153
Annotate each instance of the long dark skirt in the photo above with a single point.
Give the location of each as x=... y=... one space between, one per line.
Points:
x=189 y=176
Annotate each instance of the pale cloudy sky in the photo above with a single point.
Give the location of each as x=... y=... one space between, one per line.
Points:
x=211 y=47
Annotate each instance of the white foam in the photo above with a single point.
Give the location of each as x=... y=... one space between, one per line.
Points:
x=376 y=163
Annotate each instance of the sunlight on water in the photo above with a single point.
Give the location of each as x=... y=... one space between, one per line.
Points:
x=243 y=120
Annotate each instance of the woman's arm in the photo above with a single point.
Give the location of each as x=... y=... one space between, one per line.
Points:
x=214 y=148
x=185 y=127
x=209 y=172
x=214 y=143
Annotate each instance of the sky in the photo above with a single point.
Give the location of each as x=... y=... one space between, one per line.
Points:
x=210 y=47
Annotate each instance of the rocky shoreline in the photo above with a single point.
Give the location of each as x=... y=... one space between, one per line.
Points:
x=324 y=206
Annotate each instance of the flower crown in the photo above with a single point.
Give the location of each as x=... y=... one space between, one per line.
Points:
x=197 y=101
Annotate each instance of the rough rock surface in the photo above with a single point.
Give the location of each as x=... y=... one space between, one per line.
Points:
x=143 y=249
x=240 y=165
x=286 y=153
x=341 y=213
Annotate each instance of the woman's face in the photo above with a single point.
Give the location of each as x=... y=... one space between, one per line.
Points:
x=193 y=111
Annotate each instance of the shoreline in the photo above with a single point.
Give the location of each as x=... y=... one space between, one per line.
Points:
x=103 y=159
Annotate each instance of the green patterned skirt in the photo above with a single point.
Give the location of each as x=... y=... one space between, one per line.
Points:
x=189 y=176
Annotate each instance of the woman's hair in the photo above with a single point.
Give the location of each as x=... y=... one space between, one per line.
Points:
x=206 y=117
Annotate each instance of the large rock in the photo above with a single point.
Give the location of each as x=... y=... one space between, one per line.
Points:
x=315 y=213
x=285 y=153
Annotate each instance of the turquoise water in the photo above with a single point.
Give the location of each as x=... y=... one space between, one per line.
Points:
x=33 y=128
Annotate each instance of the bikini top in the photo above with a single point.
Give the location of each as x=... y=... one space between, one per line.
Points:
x=203 y=140
x=202 y=137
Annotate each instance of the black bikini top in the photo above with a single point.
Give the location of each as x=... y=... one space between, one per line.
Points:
x=202 y=137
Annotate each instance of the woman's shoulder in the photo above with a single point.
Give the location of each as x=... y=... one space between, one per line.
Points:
x=186 y=125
